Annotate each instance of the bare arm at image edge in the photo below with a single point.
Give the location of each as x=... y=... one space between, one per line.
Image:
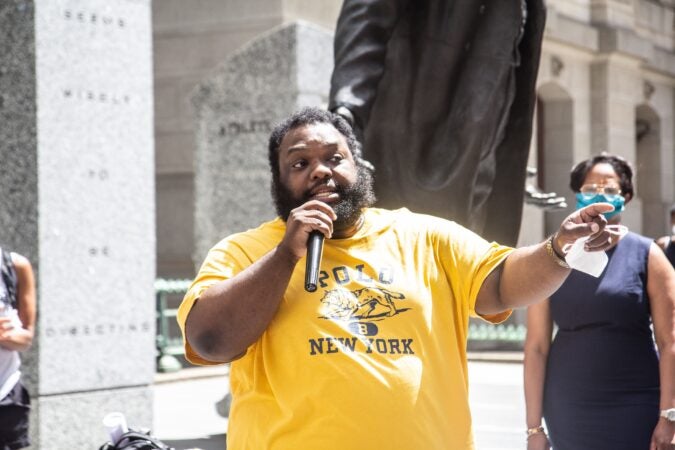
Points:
x=661 y=290
x=20 y=338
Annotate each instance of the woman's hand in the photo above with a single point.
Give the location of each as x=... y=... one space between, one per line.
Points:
x=663 y=437
x=12 y=334
x=538 y=441
x=6 y=328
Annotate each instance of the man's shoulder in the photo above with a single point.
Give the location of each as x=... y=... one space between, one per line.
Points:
x=271 y=229
x=274 y=226
x=403 y=219
x=419 y=220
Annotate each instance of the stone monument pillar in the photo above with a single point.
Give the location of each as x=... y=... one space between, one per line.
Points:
x=616 y=89
x=77 y=192
x=236 y=108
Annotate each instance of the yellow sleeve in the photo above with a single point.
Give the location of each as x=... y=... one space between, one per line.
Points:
x=468 y=259
x=222 y=262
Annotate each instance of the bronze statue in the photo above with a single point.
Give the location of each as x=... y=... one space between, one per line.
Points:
x=442 y=94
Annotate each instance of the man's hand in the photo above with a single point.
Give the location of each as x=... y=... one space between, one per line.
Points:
x=587 y=221
x=346 y=114
x=313 y=215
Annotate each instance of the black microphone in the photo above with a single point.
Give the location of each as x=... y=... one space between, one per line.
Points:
x=314 y=250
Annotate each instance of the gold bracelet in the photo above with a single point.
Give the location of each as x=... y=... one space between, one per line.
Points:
x=536 y=430
x=560 y=260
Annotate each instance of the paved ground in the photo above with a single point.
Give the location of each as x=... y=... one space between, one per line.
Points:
x=185 y=408
x=186 y=416
x=497 y=405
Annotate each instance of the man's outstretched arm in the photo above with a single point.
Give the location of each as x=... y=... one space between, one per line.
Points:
x=531 y=274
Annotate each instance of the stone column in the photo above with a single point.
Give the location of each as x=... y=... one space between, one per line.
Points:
x=236 y=108
x=77 y=183
x=616 y=89
x=619 y=13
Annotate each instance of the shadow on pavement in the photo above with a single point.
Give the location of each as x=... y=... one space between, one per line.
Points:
x=215 y=442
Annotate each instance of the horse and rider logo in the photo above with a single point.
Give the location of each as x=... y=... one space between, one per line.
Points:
x=363 y=305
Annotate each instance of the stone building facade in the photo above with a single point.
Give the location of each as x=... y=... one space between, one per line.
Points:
x=606 y=83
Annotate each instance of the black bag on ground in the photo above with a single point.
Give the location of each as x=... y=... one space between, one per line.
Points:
x=136 y=440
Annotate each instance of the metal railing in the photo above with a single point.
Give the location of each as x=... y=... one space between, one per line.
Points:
x=507 y=332
x=488 y=337
x=169 y=343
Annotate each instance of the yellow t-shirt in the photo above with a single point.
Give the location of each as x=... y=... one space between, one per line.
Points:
x=376 y=357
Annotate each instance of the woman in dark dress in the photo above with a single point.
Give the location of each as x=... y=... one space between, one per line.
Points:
x=601 y=383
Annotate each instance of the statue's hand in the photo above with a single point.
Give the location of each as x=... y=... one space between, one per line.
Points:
x=346 y=114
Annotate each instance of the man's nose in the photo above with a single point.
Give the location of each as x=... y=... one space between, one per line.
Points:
x=321 y=170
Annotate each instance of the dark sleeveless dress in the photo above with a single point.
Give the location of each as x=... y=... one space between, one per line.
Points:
x=670 y=252
x=602 y=378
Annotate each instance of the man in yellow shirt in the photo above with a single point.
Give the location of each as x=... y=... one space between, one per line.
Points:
x=376 y=357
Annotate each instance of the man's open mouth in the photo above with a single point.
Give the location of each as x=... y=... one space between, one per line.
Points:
x=325 y=195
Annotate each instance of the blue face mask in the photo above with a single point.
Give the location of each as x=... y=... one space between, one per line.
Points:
x=617 y=201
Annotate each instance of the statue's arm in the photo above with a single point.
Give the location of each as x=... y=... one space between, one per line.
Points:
x=361 y=36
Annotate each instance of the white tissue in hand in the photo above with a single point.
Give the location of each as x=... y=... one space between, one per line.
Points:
x=592 y=263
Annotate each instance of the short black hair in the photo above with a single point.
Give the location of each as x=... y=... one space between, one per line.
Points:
x=307 y=116
x=619 y=164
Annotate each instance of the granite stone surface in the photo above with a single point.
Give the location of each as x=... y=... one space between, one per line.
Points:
x=77 y=183
x=236 y=108
x=96 y=194
x=18 y=170
x=74 y=421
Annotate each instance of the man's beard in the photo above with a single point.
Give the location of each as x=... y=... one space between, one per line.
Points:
x=348 y=209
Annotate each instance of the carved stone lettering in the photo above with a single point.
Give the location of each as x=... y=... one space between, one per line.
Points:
x=93 y=18
x=98 y=174
x=99 y=251
x=251 y=126
x=90 y=95
x=98 y=329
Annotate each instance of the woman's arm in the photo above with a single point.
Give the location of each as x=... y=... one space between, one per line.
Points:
x=20 y=338
x=537 y=344
x=661 y=290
